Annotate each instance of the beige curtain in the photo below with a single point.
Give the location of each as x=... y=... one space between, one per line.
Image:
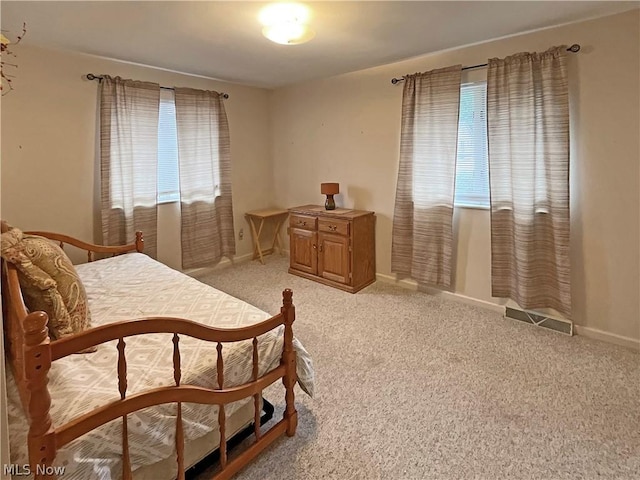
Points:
x=205 y=178
x=528 y=128
x=422 y=220
x=129 y=157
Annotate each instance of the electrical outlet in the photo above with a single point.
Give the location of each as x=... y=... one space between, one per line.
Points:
x=241 y=234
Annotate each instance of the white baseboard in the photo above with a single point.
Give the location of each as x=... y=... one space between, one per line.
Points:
x=405 y=283
x=224 y=263
x=596 y=334
x=410 y=284
x=456 y=297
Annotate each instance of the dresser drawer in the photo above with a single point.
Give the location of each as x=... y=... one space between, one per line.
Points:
x=333 y=226
x=307 y=222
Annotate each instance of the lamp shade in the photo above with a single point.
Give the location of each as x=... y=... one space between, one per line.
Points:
x=329 y=188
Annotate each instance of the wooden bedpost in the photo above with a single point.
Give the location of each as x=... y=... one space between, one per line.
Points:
x=139 y=242
x=288 y=311
x=37 y=362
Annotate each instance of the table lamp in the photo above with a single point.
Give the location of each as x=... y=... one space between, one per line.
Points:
x=330 y=189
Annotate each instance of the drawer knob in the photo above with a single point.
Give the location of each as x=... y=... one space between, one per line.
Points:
x=333 y=227
x=300 y=222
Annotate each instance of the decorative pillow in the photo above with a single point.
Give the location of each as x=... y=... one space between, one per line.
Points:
x=49 y=281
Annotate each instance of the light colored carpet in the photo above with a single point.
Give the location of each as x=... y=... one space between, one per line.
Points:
x=410 y=386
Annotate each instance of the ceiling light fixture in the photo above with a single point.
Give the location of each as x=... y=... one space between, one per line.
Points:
x=285 y=23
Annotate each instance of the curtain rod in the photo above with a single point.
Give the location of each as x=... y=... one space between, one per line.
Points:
x=91 y=76
x=575 y=48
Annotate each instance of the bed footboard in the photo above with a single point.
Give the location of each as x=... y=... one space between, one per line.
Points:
x=180 y=393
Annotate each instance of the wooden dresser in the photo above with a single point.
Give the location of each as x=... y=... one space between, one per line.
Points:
x=334 y=247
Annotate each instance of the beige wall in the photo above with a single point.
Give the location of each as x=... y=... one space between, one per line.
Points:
x=346 y=129
x=49 y=161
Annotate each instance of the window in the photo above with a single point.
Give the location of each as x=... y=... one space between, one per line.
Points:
x=472 y=166
x=168 y=172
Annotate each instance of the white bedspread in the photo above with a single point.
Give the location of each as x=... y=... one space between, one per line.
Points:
x=132 y=286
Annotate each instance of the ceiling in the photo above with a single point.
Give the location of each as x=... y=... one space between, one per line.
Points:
x=223 y=40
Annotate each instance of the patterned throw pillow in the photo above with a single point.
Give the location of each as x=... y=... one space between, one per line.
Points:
x=49 y=282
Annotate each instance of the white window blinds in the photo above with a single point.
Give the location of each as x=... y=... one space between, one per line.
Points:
x=168 y=173
x=472 y=170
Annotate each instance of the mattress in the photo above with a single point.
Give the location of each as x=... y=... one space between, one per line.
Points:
x=132 y=286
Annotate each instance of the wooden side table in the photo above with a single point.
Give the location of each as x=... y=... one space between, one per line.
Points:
x=274 y=215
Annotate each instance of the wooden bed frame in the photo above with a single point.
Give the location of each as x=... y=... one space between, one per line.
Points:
x=30 y=352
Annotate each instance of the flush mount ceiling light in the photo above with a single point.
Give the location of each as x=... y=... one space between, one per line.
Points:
x=286 y=23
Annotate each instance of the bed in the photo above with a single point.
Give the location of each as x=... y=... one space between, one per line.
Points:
x=179 y=369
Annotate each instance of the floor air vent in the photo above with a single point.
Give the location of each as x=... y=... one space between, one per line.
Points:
x=562 y=326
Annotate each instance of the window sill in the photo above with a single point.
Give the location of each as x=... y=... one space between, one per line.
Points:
x=164 y=198
x=471 y=206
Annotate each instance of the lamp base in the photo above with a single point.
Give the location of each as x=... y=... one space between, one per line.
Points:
x=330 y=204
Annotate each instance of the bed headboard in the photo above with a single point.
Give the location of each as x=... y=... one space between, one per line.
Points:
x=28 y=353
x=24 y=330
